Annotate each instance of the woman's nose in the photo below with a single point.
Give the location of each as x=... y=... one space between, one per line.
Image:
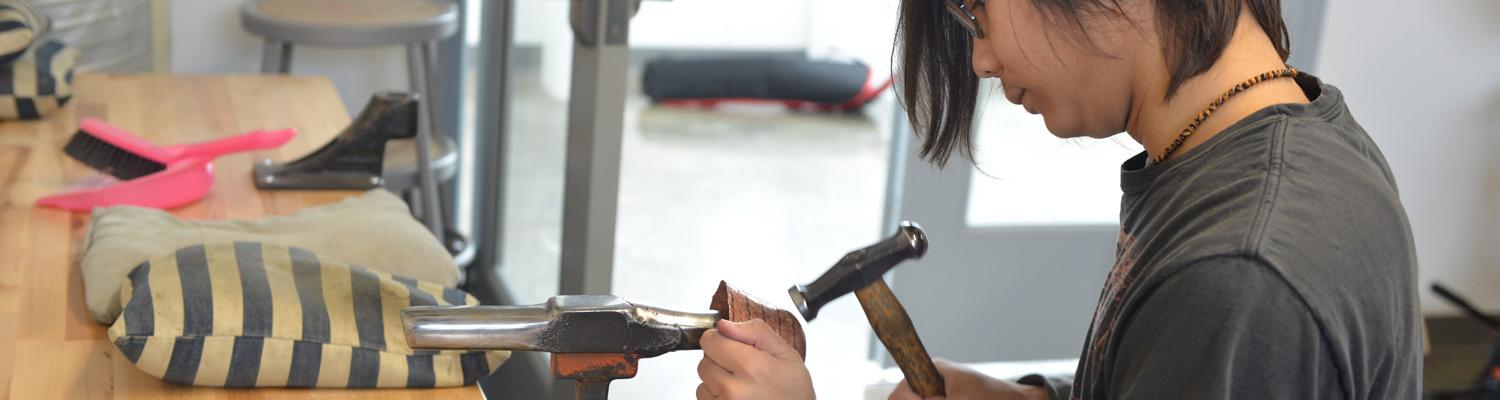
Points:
x=983 y=58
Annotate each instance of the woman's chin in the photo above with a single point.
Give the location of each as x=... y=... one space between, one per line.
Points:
x=1067 y=130
x=1062 y=129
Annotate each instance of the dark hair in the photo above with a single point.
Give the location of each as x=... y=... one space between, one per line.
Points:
x=939 y=89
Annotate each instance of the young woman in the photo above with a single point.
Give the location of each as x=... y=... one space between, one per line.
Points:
x=1263 y=253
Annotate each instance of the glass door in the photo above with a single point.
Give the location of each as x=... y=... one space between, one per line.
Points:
x=757 y=195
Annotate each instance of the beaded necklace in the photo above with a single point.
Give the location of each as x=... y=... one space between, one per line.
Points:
x=1193 y=126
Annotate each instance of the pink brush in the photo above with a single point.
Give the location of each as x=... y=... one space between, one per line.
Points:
x=150 y=176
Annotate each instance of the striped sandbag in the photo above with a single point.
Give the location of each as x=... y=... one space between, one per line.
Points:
x=20 y=23
x=247 y=314
x=39 y=82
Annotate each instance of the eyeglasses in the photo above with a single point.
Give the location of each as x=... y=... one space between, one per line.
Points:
x=965 y=15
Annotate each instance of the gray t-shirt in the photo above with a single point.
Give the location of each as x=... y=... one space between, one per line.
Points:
x=1274 y=261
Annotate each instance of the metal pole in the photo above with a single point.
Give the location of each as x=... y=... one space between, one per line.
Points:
x=284 y=61
x=418 y=58
x=490 y=140
x=270 y=58
x=596 y=117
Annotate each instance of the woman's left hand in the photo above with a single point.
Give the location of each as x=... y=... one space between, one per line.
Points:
x=747 y=360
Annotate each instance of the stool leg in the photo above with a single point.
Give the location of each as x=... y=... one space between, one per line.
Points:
x=286 y=58
x=418 y=57
x=276 y=58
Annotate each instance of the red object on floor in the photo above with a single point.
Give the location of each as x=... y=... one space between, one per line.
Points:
x=794 y=83
x=873 y=89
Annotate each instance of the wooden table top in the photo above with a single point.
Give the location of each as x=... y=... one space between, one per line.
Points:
x=50 y=348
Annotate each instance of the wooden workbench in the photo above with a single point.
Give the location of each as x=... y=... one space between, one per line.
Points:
x=50 y=348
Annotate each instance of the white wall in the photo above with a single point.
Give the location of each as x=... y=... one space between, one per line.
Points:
x=206 y=38
x=693 y=24
x=853 y=29
x=1424 y=80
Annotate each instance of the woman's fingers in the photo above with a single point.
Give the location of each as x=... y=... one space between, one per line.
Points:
x=704 y=393
x=758 y=334
x=730 y=354
x=715 y=378
x=735 y=368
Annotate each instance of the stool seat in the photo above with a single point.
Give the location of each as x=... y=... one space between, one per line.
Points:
x=350 y=22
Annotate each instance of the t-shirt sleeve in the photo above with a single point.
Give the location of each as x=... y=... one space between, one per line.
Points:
x=1222 y=328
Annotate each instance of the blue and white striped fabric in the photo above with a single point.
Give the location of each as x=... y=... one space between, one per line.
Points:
x=247 y=314
x=20 y=25
x=39 y=82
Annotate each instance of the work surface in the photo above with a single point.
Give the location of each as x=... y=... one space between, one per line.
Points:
x=50 y=348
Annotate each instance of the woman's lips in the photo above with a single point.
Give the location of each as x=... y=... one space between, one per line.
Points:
x=1022 y=101
x=1019 y=98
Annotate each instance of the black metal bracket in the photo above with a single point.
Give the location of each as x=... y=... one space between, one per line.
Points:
x=353 y=160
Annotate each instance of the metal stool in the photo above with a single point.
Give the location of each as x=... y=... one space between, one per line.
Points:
x=417 y=24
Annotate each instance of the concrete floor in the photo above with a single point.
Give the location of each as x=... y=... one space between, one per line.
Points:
x=758 y=196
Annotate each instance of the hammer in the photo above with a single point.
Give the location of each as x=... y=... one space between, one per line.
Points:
x=861 y=272
x=594 y=339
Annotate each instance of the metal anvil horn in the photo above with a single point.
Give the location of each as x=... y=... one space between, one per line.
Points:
x=564 y=324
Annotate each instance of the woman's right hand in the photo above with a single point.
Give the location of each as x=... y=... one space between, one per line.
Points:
x=963 y=383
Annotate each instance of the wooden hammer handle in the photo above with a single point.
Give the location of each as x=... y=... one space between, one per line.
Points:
x=895 y=330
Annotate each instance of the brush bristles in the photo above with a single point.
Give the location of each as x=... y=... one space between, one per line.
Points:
x=109 y=159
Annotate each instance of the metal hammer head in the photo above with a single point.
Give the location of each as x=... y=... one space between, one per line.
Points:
x=859 y=268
